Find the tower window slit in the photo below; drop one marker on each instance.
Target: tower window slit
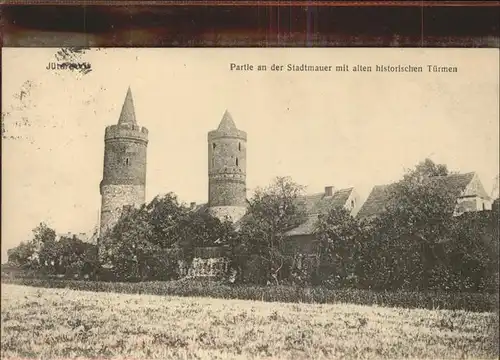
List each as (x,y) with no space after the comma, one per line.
(213,145)
(236,161)
(127,161)
(239,146)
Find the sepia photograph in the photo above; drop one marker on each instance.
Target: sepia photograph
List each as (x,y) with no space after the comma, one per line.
(250,203)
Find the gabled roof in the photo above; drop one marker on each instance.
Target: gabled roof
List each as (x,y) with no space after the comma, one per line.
(318,204)
(315,204)
(306,228)
(379,196)
(376,201)
(127,116)
(455,182)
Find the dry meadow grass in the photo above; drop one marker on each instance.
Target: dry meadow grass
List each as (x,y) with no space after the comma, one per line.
(60,323)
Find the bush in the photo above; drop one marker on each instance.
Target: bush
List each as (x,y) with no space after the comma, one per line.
(322,295)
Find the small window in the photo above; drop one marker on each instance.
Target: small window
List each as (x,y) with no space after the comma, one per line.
(239,146)
(213,145)
(127,161)
(352,203)
(236,161)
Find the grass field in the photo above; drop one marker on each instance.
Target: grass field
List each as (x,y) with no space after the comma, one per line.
(55,323)
(476,302)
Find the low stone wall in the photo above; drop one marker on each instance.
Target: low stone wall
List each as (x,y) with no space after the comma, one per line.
(210,262)
(213,267)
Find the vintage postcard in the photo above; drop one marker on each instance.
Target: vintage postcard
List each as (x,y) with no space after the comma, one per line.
(231,203)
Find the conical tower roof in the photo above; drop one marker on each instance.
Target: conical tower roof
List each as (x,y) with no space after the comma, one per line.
(227,123)
(127,116)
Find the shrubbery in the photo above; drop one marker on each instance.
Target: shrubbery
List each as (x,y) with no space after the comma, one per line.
(415,245)
(47,255)
(282,293)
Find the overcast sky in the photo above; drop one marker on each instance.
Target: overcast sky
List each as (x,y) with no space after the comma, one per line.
(328,128)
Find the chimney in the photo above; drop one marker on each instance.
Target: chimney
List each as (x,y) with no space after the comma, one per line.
(328,190)
(192,205)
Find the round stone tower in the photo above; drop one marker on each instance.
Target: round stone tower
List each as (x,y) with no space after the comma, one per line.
(124,175)
(227,160)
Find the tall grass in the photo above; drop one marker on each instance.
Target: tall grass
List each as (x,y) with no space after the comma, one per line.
(477,302)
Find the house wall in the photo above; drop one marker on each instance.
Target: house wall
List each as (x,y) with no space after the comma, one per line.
(473,198)
(353,203)
(469,204)
(305,244)
(474,187)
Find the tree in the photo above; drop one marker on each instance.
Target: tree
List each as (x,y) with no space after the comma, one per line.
(43,234)
(149,242)
(201,229)
(164,214)
(127,247)
(472,254)
(272,211)
(428,168)
(22,255)
(44,241)
(341,239)
(76,257)
(408,233)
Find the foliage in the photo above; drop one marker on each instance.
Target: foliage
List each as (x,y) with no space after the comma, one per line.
(470,301)
(472,257)
(22,255)
(341,239)
(272,211)
(416,244)
(44,240)
(48,255)
(148,243)
(428,168)
(201,229)
(163,215)
(128,248)
(42,234)
(75,257)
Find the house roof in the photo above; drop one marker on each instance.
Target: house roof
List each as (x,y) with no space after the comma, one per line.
(317,204)
(376,201)
(455,182)
(379,196)
(306,228)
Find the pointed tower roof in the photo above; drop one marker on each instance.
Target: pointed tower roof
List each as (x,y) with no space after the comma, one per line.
(227,128)
(227,123)
(127,115)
